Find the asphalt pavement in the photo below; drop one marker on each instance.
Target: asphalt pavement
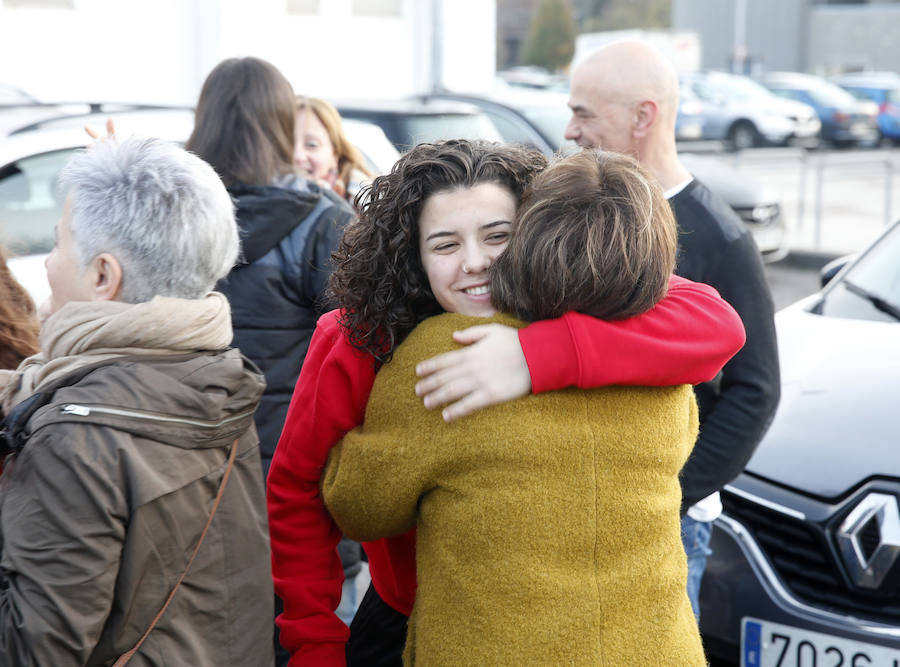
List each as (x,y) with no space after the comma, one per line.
(795,277)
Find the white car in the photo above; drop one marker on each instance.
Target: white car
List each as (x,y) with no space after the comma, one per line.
(32,155)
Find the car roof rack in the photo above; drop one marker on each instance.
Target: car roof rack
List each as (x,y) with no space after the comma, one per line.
(94,108)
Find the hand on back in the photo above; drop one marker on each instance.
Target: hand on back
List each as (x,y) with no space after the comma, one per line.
(490,370)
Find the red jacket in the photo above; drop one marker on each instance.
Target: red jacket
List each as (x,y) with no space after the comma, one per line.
(685,339)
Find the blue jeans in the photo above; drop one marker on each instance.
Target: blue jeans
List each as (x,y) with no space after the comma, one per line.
(695,537)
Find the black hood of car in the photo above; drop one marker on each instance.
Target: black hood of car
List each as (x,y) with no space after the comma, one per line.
(838,422)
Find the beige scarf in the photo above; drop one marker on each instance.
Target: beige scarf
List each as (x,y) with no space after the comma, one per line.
(86,332)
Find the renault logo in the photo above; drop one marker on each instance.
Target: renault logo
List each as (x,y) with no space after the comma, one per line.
(869,539)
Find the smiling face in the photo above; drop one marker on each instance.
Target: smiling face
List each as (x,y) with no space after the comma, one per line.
(461,232)
(314,153)
(602,116)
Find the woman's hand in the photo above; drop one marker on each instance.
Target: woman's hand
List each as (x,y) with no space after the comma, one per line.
(110,131)
(491,370)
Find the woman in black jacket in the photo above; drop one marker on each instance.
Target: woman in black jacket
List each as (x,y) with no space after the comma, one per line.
(244,128)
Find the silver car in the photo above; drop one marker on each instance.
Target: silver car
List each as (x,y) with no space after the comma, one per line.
(744,114)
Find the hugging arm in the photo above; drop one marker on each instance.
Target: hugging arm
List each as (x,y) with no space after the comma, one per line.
(329,399)
(378,472)
(371,486)
(685,339)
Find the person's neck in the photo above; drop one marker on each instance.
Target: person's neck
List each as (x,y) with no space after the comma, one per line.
(661,159)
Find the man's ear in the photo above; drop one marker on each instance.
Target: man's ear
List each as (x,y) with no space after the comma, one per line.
(106,277)
(644,117)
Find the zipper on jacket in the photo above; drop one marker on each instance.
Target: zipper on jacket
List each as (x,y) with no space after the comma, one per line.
(84,411)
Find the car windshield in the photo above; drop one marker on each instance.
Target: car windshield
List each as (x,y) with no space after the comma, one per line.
(871,288)
(739,88)
(433,127)
(830,95)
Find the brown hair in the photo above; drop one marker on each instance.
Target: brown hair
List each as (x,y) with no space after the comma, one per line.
(18,320)
(594,233)
(348,156)
(244,124)
(379,281)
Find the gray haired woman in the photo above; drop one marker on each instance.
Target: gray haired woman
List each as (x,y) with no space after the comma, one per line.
(132,505)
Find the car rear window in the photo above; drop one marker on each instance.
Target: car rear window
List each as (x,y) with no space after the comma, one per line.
(30,205)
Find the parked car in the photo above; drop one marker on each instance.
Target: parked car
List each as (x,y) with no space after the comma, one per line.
(805,568)
(882,88)
(846,121)
(755,203)
(11,95)
(690,121)
(535,78)
(744,114)
(407,122)
(32,156)
(530,117)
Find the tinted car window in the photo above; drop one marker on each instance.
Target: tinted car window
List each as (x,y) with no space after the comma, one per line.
(450,126)
(29,204)
(552,121)
(875,278)
(831,96)
(512,131)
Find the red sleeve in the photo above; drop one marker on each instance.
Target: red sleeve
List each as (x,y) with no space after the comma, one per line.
(686,338)
(329,399)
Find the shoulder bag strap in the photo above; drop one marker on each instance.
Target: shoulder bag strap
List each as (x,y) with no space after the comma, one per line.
(125,657)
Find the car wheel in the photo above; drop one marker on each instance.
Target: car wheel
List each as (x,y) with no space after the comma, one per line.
(743,135)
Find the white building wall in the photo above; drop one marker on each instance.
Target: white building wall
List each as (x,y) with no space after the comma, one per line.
(159,51)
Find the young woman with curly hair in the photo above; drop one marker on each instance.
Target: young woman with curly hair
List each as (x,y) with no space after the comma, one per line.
(548,528)
(426,237)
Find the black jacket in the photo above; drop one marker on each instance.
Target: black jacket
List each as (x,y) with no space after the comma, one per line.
(736,408)
(275,292)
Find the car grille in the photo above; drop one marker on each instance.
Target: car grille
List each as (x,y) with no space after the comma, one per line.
(799,552)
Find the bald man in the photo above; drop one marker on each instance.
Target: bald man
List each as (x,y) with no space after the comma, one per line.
(625,98)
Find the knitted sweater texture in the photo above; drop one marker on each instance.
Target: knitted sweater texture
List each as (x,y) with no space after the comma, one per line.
(548,528)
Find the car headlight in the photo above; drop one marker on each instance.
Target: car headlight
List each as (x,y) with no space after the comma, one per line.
(765,212)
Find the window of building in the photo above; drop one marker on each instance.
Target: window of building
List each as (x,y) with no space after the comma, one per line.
(302,6)
(38,4)
(377,7)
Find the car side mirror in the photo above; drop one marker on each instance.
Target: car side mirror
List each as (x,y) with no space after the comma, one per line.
(830,270)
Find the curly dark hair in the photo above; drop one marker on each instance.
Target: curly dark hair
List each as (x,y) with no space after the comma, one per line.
(379,281)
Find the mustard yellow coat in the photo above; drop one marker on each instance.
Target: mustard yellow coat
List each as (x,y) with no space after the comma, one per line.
(548,527)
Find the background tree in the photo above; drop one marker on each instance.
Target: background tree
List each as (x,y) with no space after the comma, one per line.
(600,15)
(551,37)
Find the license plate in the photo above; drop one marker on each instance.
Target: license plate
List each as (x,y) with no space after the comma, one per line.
(860,129)
(765,644)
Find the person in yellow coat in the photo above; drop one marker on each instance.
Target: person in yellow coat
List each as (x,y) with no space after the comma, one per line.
(548,527)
